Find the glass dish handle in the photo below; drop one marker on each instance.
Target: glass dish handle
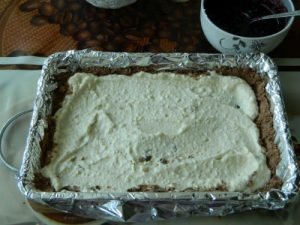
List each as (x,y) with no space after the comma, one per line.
(2,132)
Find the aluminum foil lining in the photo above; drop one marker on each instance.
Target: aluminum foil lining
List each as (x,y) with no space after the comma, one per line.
(144,206)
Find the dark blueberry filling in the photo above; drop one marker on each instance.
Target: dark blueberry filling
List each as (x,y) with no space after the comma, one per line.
(233,16)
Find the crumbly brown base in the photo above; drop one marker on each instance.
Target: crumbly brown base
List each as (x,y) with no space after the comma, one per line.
(264,121)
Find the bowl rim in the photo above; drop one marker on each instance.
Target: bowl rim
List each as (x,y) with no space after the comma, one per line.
(285,29)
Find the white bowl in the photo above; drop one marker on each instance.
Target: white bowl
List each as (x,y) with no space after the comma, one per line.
(111,4)
(228,43)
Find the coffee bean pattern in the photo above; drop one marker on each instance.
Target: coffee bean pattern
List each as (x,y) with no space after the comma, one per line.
(30,5)
(154,26)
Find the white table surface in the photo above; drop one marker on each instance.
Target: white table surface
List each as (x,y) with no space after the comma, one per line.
(17,91)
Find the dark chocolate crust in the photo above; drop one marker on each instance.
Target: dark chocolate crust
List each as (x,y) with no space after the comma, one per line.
(264,121)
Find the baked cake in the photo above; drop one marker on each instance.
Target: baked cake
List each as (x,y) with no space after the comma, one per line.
(161,131)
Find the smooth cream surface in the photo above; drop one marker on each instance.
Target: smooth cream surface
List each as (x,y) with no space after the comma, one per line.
(116,132)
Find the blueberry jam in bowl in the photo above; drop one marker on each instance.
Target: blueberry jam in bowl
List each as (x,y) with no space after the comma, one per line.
(228,28)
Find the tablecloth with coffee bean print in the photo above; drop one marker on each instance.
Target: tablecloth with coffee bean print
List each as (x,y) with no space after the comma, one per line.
(42,27)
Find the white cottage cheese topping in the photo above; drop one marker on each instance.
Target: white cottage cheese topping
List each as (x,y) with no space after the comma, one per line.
(116,132)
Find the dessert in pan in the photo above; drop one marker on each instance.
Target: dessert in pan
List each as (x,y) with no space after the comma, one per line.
(154,132)
(166,131)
